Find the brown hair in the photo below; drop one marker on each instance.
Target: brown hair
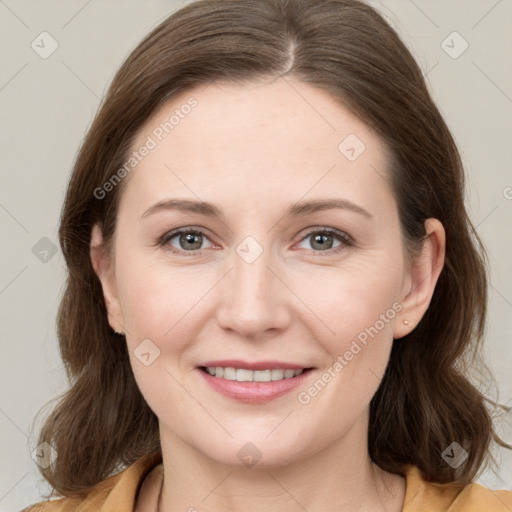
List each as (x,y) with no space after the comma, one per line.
(426,400)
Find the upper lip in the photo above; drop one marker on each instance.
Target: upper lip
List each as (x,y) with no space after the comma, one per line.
(256,365)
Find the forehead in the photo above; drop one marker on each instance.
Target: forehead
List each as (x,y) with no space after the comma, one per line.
(279,138)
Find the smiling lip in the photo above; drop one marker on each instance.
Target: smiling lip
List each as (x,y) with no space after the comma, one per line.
(253,392)
(259,365)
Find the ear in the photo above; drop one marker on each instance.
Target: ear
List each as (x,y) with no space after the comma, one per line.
(421,279)
(103,268)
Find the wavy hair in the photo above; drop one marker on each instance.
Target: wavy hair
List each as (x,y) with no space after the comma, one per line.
(426,399)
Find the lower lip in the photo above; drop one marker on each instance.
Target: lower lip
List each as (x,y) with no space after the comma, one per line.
(254,392)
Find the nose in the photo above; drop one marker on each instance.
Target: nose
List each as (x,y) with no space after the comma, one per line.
(255,302)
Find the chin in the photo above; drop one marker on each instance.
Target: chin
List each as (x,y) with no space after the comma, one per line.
(259,453)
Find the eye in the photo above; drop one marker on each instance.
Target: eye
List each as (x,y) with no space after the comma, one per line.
(186,241)
(191,241)
(326,240)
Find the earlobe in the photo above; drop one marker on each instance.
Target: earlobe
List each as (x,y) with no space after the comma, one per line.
(102,267)
(423,277)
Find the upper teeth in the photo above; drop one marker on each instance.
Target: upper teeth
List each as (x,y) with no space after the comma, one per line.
(243,375)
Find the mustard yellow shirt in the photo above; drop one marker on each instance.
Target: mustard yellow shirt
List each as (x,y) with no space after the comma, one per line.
(119,494)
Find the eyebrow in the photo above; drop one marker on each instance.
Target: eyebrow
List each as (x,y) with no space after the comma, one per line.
(296,210)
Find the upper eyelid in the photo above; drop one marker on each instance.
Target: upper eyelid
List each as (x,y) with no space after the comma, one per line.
(326,229)
(174,232)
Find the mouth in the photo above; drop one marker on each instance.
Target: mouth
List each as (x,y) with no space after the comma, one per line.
(248,375)
(251,386)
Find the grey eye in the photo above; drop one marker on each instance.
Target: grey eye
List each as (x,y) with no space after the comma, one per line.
(188,240)
(321,241)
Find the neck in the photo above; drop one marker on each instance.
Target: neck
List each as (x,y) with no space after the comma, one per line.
(340,477)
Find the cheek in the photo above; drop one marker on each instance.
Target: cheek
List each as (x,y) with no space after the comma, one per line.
(155,297)
(345,301)
(158,309)
(355,308)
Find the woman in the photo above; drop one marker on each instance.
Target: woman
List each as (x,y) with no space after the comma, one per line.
(308,350)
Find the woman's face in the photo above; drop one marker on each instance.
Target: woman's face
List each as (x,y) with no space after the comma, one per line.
(289,254)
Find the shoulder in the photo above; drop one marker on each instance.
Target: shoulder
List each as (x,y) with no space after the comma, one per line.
(118,492)
(421,496)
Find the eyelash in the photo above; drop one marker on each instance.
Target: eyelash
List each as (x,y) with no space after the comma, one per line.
(346,240)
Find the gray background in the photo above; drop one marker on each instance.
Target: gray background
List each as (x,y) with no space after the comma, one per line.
(46,106)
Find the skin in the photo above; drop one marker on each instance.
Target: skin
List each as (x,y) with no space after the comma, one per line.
(254,150)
